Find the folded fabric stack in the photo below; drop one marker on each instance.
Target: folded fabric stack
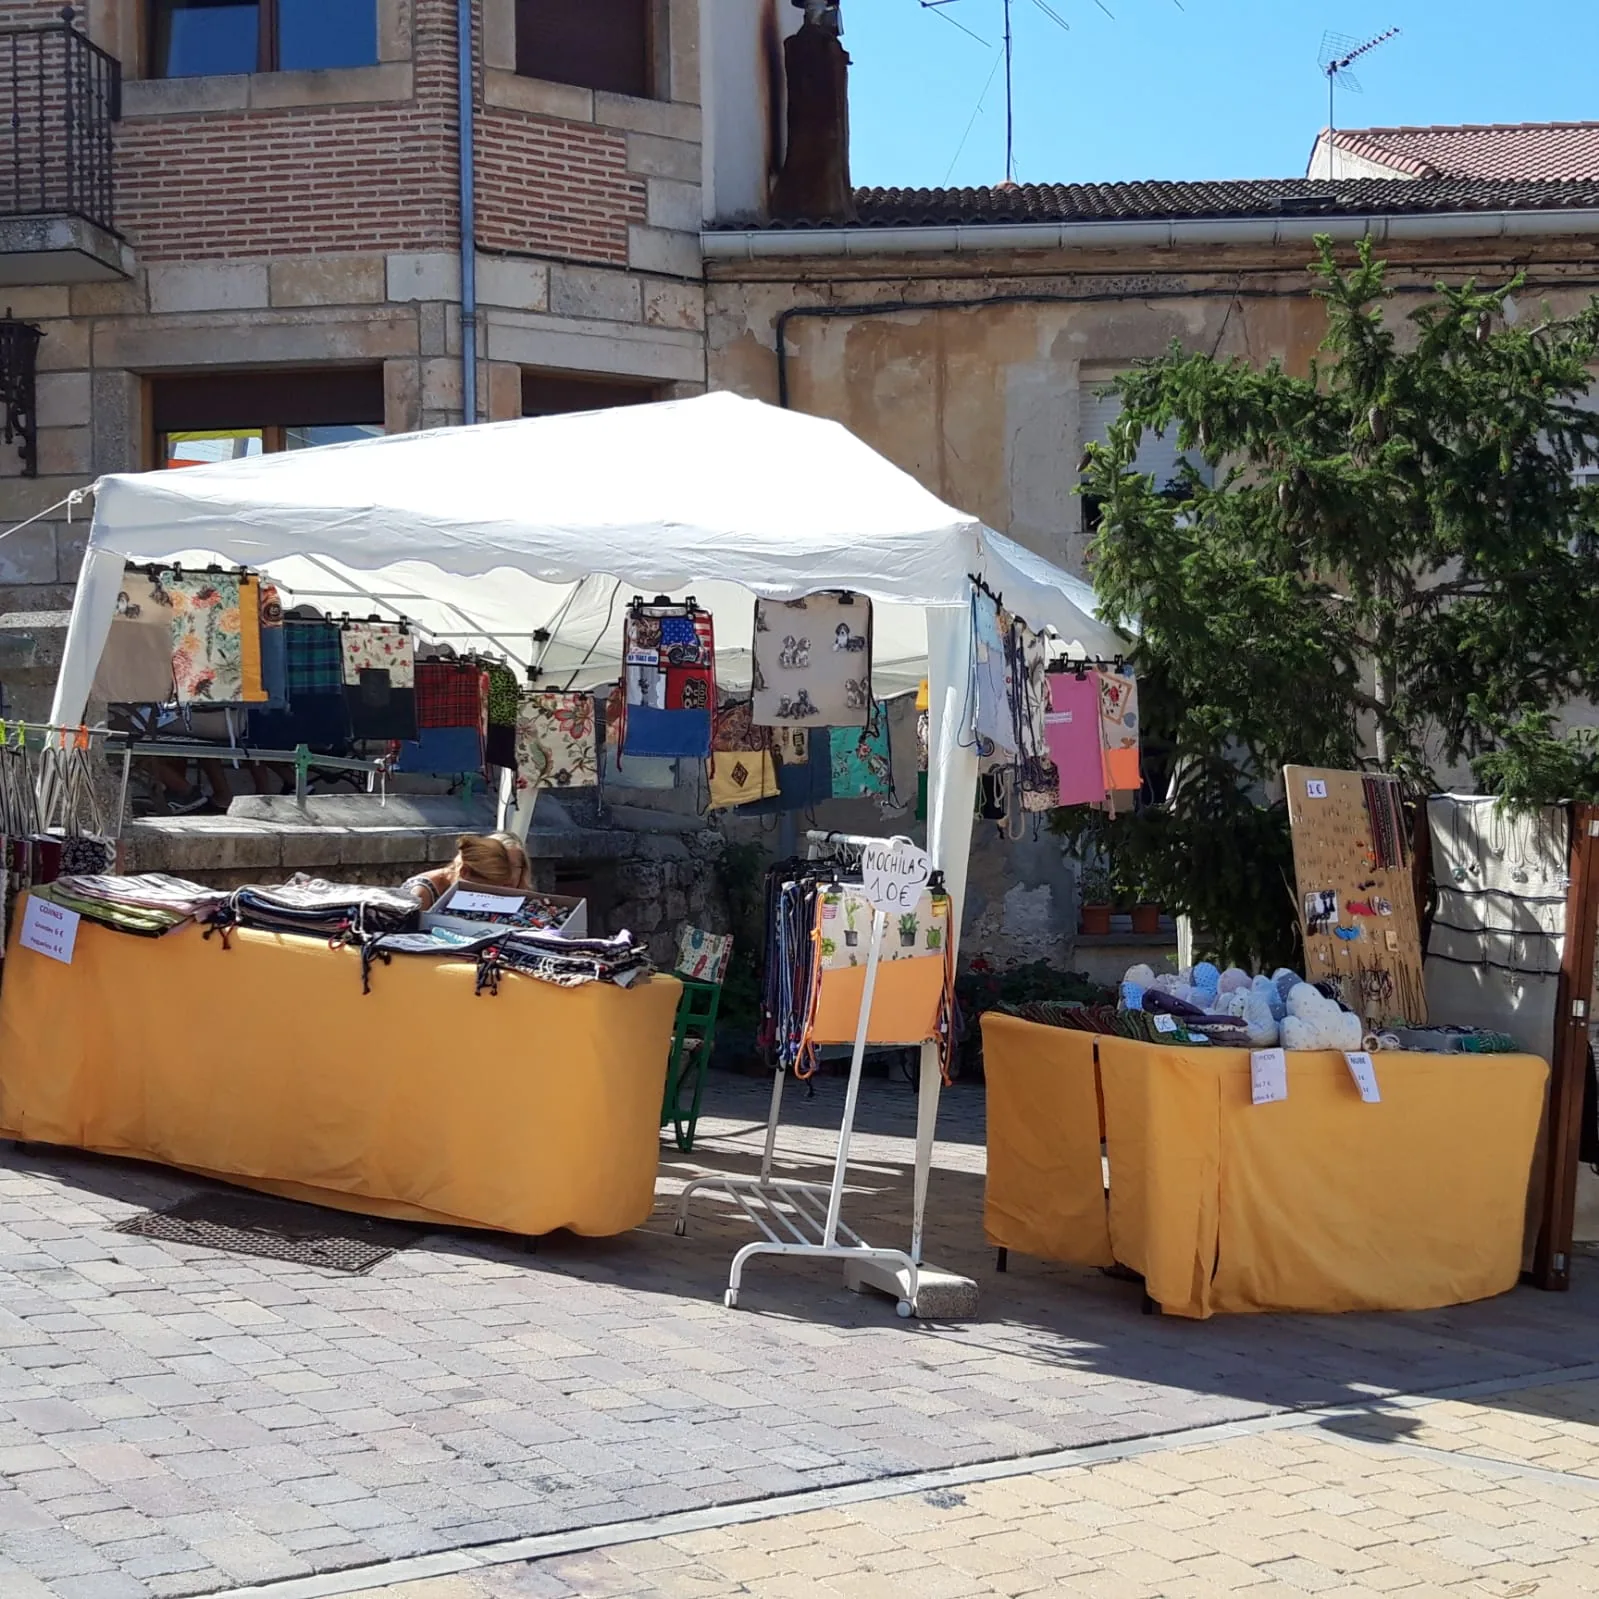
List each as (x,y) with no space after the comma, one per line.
(149,904)
(324,910)
(569,962)
(572,961)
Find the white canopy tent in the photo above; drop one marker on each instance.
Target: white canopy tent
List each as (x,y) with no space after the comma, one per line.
(491,536)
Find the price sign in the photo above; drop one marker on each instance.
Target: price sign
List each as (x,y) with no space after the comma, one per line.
(50,929)
(1364,1072)
(1315,788)
(893,874)
(1268,1076)
(492,904)
(1165,1023)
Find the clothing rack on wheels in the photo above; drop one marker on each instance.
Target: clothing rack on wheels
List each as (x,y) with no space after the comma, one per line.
(801,1218)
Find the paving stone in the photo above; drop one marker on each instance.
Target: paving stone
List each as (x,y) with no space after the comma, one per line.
(466,1391)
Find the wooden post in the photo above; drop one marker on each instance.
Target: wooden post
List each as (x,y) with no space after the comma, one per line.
(1551,1264)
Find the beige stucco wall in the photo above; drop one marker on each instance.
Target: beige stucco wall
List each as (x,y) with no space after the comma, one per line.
(983,405)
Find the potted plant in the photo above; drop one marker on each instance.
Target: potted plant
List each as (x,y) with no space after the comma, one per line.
(829,949)
(1095,896)
(851,937)
(907,930)
(935,937)
(1146,917)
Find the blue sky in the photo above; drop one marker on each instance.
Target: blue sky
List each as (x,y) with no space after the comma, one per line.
(1221,89)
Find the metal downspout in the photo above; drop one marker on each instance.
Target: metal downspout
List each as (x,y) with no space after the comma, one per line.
(463,33)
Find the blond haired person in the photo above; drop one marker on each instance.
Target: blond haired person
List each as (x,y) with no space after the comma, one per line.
(496,860)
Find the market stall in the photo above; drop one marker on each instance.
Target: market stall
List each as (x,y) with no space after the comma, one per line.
(545,540)
(528,1108)
(1319,1202)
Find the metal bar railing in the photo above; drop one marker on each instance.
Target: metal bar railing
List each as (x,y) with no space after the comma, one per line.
(60,93)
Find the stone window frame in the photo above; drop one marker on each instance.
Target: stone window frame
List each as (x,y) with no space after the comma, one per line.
(120,26)
(505,87)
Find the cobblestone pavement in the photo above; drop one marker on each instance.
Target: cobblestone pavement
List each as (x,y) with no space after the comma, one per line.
(179,1421)
(1473,1499)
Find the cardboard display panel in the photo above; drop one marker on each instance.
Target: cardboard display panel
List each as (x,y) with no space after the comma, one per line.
(1357,907)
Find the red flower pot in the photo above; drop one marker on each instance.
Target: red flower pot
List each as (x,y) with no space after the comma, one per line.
(1146,918)
(1095,920)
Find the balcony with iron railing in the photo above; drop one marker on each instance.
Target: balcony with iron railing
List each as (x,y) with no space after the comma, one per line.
(60,95)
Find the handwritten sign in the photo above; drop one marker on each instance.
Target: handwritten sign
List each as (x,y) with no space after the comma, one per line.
(1315,788)
(1268,1076)
(1165,1023)
(50,929)
(893,874)
(1364,1072)
(492,904)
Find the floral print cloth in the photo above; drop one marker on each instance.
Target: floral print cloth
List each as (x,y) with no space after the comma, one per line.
(555,741)
(702,957)
(844,928)
(862,767)
(378,664)
(207,652)
(378,647)
(813,661)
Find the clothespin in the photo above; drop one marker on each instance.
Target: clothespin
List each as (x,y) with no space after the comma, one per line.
(81,742)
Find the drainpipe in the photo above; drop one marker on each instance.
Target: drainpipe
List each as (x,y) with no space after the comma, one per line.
(463,36)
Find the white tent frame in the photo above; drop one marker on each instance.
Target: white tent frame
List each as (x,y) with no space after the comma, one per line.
(723,492)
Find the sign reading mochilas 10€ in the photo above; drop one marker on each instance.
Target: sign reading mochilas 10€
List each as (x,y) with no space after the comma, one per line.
(893,874)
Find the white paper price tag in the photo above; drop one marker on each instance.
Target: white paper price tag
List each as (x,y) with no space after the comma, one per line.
(492,904)
(1268,1076)
(1315,788)
(1165,1023)
(893,874)
(1364,1071)
(50,929)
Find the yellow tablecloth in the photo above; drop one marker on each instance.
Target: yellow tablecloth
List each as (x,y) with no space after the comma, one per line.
(1045,1190)
(1320,1202)
(264,1063)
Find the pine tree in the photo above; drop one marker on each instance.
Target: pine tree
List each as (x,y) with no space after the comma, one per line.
(1393,566)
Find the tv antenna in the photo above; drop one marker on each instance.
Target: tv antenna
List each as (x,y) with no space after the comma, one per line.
(937,8)
(1339,53)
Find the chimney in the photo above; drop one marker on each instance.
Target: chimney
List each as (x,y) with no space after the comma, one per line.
(813,185)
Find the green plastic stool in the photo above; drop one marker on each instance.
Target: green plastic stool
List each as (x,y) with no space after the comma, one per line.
(690,1058)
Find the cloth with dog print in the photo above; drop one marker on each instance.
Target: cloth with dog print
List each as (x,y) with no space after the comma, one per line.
(813,661)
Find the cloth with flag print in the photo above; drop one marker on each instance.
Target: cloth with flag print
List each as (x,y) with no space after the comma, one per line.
(669,680)
(742,768)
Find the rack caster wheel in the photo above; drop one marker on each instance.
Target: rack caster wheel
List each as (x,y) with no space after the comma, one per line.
(730,1299)
(903,1309)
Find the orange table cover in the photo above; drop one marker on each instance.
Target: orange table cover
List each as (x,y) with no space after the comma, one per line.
(1320,1202)
(1045,1190)
(264,1063)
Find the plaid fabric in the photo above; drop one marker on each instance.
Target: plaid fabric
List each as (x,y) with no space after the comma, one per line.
(449,694)
(316,658)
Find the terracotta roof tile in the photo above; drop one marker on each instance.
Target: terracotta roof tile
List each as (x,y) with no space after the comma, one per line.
(1176,201)
(1527,152)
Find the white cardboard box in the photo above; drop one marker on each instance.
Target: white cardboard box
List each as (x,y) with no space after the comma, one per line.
(482,895)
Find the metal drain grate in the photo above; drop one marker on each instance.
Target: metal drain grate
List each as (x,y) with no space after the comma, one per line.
(275,1229)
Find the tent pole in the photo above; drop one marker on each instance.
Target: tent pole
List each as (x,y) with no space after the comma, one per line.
(951,793)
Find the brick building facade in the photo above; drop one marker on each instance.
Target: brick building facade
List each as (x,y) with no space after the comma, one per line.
(281,262)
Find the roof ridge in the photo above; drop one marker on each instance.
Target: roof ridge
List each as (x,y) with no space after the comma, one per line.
(1470,127)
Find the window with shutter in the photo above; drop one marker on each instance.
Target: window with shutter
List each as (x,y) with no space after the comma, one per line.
(595,44)
(1158,453)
